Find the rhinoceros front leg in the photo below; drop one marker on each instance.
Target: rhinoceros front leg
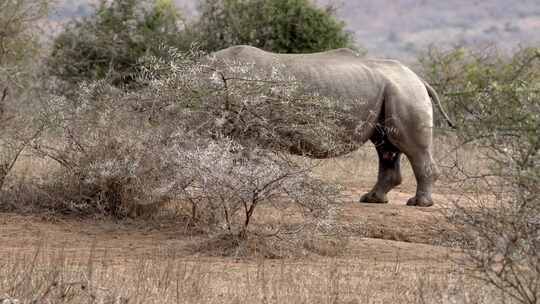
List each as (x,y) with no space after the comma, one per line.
(389,175)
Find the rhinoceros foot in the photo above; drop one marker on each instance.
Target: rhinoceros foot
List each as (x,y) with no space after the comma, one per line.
(373,198)
(420,201)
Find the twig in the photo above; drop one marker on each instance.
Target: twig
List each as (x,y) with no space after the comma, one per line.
(4,96)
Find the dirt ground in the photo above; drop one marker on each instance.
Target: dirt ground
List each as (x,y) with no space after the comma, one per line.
(381,232)
(388,253)
(392,253)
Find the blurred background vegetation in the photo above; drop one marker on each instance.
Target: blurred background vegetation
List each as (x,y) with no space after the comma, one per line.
(109,42)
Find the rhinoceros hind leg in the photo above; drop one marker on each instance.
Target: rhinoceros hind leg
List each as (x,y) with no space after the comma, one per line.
(373,198)
(420,201)
(389,175)
(426,173)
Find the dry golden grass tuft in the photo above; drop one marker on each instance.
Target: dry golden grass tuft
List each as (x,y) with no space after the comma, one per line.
(52,275)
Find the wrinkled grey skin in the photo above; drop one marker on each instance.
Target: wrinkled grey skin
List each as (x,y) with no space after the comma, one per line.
(391,102)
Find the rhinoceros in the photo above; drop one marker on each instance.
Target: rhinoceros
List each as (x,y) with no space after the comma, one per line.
(382,94)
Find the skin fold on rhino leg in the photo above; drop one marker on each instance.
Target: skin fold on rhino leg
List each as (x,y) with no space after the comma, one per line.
(389,175)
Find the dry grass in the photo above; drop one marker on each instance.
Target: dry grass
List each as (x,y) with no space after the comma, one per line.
(52,275)
(309,268)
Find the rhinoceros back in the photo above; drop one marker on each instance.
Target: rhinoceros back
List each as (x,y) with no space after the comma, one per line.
(338,73)
(355,85)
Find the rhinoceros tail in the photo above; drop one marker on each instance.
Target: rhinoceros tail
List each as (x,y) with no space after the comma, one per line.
(435,98)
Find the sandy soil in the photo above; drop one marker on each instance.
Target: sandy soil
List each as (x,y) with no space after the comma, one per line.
(393,253)
(375,231)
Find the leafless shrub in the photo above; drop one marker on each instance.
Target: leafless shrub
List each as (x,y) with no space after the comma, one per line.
(496,101)
(267,109)
(19,49)
(173,141)
(103,151)
(225,184)
(21,128)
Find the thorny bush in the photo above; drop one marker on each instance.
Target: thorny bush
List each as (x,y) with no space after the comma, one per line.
(268,109)
(19,82)
(496,101)
(171,141)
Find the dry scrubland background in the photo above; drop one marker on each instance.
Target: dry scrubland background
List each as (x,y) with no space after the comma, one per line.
(400,29)
(115,198)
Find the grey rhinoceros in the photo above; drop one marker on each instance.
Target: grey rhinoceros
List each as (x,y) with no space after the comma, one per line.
(383,95)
